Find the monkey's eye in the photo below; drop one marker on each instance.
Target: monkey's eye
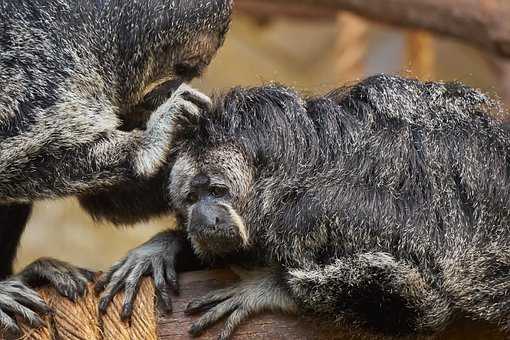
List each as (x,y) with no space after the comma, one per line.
(192,198)
(218,191)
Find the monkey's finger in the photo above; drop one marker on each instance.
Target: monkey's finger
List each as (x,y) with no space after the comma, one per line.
(233,321)
(202,101)
(113,287)
(8,326)
(32,300)
(65,284)
(89,275)
(162,287)
(80,280)
(132,285)
(171,277)
(9,305)
(209,300)
(211,317)
(105,278)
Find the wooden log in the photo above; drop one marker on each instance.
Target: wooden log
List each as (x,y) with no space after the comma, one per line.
(485,23)
(267,326)
(81,321)
(276,326)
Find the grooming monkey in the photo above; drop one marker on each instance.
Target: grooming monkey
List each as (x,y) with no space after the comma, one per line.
(383,207)
(88,89)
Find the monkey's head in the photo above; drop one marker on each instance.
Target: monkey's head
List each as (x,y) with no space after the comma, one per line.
(227,163)
(209,189)
(155,45)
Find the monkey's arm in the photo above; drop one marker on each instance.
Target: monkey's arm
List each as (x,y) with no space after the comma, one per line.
(110,158)
(131,203)
(259,291)
(372,289)
(162,257)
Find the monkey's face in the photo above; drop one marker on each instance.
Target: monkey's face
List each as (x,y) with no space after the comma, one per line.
(209,192)
(160,44)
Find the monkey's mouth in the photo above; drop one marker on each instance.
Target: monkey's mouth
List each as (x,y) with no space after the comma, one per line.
(217,240)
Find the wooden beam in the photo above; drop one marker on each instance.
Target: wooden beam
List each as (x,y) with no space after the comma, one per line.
(420,55)
(484,23)
(351,47)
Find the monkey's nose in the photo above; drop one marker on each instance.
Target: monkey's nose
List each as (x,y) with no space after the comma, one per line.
(207,216)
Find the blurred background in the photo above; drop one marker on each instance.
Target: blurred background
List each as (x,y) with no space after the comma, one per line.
(313,49)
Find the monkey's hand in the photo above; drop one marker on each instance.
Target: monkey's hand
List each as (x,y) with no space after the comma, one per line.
(156,257)
(18,300)
(259,291)
(68,280)
(157,137)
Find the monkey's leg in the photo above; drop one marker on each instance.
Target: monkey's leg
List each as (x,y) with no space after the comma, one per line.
(111,158)
(477,277)
(259,291)
(372,290)
(162,257)
(13,219)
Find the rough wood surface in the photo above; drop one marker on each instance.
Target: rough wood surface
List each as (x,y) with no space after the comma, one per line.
(81,321)
(484,23)
(176,325)
(273,326)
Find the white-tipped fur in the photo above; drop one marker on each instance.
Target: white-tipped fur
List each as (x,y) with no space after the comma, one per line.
(239,223)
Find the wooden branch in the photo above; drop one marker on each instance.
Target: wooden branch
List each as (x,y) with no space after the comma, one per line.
(501,71)
(268,326)
(421,55)
(275,326)
(81,320)
(485,24)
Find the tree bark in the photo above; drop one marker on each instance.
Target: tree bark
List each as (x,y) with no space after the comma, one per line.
(484,23)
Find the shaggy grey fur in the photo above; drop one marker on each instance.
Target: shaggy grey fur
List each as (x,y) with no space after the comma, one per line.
(383,207)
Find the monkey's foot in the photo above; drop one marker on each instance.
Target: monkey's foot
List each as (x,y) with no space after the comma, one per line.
(257,294)
(68,280)
(155,257)
(18,300)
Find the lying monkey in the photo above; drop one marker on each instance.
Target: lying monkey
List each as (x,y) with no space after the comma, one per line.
(384,206)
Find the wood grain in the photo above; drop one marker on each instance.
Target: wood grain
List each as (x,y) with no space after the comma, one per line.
(176,325)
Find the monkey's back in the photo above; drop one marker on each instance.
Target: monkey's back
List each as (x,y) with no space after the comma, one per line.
(423,171)
(48,60)
(389,164)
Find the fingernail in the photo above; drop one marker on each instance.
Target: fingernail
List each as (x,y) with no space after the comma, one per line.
(103,305)
(126,314)
(194,330)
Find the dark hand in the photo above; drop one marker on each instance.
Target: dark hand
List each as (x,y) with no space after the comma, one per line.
(155,257)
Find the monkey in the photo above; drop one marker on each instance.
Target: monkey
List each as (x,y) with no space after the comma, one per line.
(88,91)
(382,207)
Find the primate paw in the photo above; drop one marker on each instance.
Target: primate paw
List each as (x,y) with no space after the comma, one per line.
(184,99)
(251,296)
(155,257)
(68,280)
(18,300)
(184,102)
